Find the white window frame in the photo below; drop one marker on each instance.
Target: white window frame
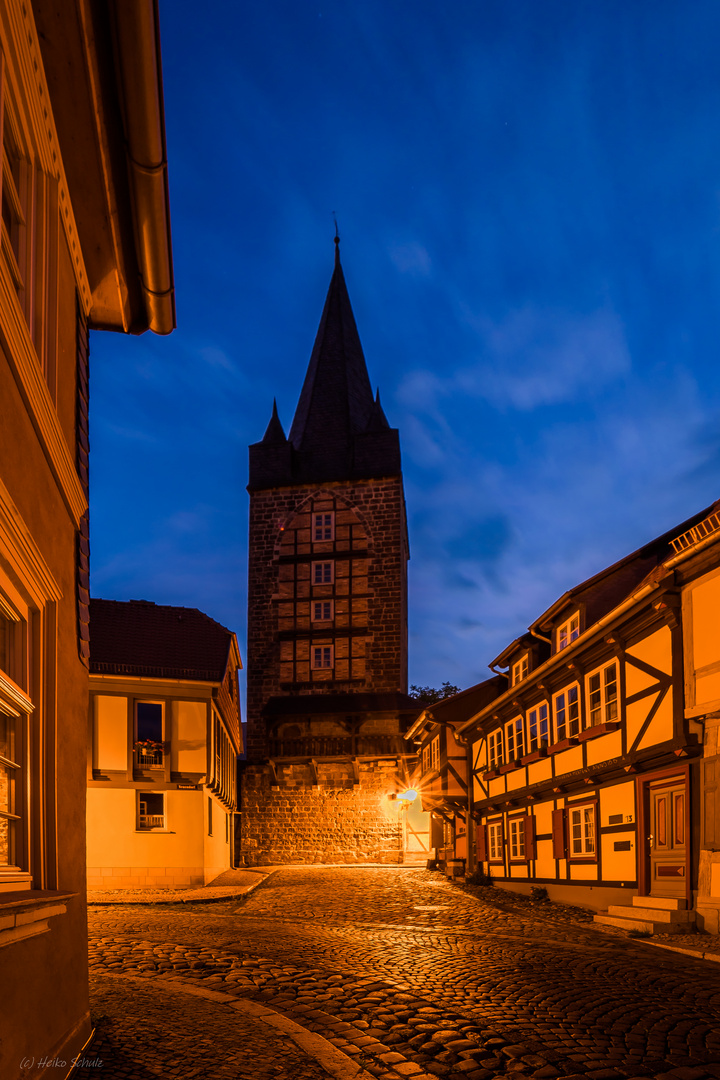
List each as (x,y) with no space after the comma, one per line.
(426,758)
(566,712)
(603,695)
(151,822)
(16,708)
(515,738)
(323,526)
(582,831)
(149,758)
(324,606)
(520,669)
(538,726)
(496,755)
(322,657)
(516,838)
(568,631)
(435,753)
(495,841)
(319,568)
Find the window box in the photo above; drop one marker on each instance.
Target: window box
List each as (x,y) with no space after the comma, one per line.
(510,766)
(491,774)
(535,756)
(564,744)
(599,729)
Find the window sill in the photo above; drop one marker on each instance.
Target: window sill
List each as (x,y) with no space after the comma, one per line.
(144,832)
(536,755)
(25,914)
(491,774)
(510,766)
(599,729)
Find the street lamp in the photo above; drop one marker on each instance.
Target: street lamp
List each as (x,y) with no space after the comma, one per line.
(405,798)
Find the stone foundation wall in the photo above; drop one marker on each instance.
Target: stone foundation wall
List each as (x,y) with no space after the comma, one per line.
(106,878)
(294,818)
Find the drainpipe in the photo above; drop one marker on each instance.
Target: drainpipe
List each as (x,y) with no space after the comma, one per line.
(138,56)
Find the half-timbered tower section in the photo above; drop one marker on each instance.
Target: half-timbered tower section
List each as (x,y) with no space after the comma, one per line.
(327,618)
(441,773)
(586,771)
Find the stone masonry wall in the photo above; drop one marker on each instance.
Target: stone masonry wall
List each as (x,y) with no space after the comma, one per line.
(333,821)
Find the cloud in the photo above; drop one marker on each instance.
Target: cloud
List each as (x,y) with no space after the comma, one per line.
(411,258)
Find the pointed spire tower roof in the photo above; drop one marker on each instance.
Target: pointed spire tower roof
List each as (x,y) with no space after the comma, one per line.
(339,431)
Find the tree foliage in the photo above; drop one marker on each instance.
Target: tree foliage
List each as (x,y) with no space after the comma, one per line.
(429,695)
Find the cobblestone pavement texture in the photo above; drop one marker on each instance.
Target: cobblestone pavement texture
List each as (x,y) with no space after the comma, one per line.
(412,976)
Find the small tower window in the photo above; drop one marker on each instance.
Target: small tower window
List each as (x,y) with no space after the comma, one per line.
(322,610)
(322,656)
(323,527)
(323,573)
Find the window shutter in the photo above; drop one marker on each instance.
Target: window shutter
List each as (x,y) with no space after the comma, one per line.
(482,842)
(711,804)
(529,824)
(558,834)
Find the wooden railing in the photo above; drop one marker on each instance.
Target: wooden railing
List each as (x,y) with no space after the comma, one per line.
(339,746)
(152,821)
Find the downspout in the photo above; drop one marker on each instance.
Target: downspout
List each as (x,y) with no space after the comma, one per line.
(138,57)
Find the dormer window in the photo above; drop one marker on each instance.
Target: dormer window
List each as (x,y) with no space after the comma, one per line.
(520,669)
(568,631)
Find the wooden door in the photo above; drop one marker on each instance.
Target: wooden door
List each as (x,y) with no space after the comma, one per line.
(668,838)
(416,831)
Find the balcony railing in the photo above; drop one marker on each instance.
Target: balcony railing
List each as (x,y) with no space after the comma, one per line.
(149,759)
(152,821)
(339,746)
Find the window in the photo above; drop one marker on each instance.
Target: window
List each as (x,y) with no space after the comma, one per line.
(14,200)
(323,527)
(568,631)
(495,749)
(323,573)
(322,610)
(151,810)
(603,695)
(322,656)
(582,830)
(426,758)
(514,739)
(14,745)
(435,753)
(223,779)
(149,749)
(495,841)
(209,816)
(517,838)
(520,669)
(567,713)
(539,727)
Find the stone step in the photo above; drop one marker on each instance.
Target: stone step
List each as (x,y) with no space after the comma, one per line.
(670,903)
(651,912)
(648,926)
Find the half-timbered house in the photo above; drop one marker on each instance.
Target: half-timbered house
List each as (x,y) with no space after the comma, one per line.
(586,770)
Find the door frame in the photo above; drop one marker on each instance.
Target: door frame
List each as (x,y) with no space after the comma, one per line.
(682,772)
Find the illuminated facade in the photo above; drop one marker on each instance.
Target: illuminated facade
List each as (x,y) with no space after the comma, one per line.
(327,618)
(595,771)
(165,737)
(85,244)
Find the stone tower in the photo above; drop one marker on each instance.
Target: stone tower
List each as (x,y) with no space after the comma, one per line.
(327,618)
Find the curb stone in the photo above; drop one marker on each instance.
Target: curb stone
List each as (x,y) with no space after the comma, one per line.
(315,1046)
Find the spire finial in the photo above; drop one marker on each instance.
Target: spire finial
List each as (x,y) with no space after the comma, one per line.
(337,239)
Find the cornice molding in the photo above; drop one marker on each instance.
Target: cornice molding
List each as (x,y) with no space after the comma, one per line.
(25,556)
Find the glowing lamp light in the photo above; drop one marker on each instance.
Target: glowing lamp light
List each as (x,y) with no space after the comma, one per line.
(406,797)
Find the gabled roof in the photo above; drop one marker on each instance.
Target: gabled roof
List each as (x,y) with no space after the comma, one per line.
(137,637)
(601,592)
(460,707)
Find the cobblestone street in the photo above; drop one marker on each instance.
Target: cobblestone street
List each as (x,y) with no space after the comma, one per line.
(405,974)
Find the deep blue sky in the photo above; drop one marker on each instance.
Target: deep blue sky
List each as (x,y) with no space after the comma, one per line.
(528,200)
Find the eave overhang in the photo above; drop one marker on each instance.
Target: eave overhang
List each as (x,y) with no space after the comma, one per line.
(103,69)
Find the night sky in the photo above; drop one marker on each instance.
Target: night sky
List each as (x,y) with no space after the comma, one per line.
(528,200)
